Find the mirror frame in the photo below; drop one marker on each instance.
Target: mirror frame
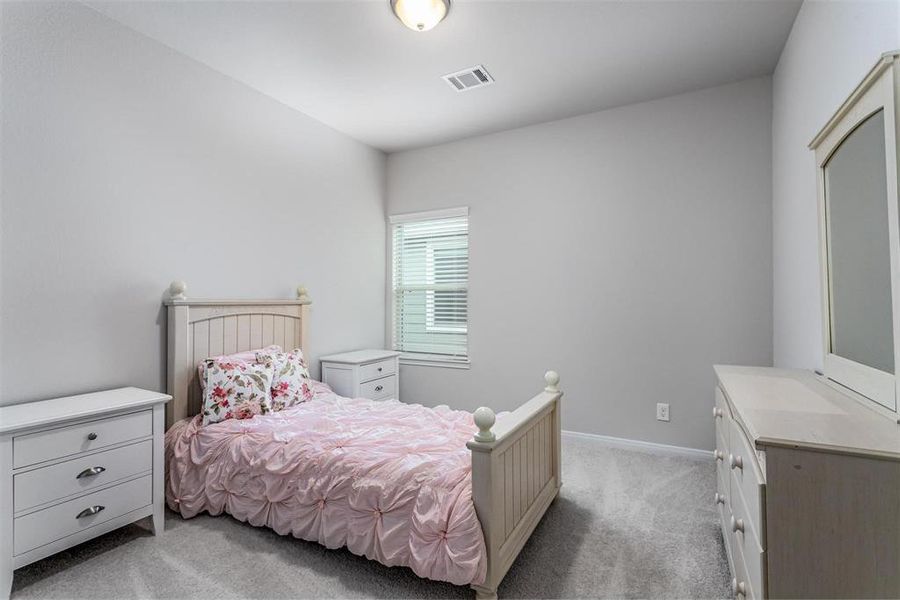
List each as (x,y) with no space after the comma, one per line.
(877,91)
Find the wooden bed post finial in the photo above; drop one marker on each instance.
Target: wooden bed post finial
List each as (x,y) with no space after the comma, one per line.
(552,379)
(303,295)
(177,289)
(485,419)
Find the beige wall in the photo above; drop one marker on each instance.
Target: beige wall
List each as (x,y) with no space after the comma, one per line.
(831,47)
(126,165)
(629,249)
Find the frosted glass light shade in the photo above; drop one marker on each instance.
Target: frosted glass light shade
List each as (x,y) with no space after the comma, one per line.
(420,15)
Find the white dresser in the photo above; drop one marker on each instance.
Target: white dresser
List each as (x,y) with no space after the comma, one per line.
(371,374)
(808,487)
(77,467)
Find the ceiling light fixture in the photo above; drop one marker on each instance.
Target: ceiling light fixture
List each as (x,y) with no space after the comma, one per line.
(420,15)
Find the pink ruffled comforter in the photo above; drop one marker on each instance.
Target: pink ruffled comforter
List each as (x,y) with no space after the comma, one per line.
(390,481)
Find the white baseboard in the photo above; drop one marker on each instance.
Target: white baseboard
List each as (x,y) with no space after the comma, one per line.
(642,446)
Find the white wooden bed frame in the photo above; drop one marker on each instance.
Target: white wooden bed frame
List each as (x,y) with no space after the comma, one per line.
(515,462)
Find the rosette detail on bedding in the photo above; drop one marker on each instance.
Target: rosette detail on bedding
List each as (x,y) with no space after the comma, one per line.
(390,481)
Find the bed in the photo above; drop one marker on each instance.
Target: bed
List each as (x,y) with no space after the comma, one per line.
(452,495)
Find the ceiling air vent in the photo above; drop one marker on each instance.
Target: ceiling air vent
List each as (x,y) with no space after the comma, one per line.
(468,79)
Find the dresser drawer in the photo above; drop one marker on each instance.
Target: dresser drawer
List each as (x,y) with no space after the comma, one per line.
(720,454)
(50,524)
(379,389)
(724,518)
(739,579)
(377,370)
(78,475)
(65,441)
(748,480)
(723,489)
(722,416)
(744,537)
(722,499)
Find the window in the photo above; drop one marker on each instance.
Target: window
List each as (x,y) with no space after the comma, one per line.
(430,285)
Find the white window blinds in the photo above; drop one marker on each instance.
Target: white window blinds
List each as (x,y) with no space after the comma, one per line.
(430,283)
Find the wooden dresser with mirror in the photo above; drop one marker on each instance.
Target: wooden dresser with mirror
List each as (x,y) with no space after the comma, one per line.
(808,465)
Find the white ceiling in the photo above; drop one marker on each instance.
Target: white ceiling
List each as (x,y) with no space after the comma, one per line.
(353,66)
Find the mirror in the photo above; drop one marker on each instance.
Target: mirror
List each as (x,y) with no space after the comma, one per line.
(858,248)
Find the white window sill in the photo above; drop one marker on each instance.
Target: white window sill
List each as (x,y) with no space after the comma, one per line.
(433,361)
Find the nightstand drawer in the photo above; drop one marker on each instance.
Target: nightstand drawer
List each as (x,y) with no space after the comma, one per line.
(379,389)
(57,522)
(74,439)
(377,370)
(373,374)
(79,475)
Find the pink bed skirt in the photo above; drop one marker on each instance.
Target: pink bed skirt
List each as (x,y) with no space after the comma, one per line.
(390,481)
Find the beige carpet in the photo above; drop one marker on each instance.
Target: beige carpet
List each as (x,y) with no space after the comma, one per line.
(626,525)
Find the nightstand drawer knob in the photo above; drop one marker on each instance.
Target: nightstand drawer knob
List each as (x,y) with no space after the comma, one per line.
(736,462)
(719,455)
(717,413)
(93,510)
(92,436)
(90,472)
(380,369)
(720,498)
(737,524)
(378,388)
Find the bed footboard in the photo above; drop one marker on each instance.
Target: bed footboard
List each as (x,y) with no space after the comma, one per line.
(515,477)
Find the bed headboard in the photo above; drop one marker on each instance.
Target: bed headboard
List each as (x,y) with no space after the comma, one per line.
(202,328)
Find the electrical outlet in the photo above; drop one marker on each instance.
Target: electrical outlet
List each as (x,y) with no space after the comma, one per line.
(662,412)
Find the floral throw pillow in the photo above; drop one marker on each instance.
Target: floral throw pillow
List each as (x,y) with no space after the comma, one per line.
(291,384)
(236,389)
(248,356)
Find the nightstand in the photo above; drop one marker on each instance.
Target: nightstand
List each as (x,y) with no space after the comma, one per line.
(373,374)
(77,467)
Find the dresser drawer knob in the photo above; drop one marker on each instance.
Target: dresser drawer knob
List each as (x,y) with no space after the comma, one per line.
(737,524)
(720,498)
(93,510)
(736,462)
(717,413)
(719,455)
(738,588)
(380,369)
(378,388)
(92,436)
(90,472)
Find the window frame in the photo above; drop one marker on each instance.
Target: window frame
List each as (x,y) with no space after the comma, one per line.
(424,358)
